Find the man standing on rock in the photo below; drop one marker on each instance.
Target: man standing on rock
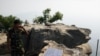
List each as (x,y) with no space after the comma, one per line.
(14,40)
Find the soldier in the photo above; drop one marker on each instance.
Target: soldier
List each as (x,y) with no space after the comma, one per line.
(15,43)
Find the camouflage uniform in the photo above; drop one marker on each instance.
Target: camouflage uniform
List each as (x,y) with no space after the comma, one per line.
(17,48)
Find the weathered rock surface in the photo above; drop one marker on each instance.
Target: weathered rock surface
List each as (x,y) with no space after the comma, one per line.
(71,39)
(69,36)
(81,50)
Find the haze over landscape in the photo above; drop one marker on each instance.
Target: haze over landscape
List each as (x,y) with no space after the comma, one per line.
(82,13)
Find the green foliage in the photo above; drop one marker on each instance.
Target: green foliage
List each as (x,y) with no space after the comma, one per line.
(46,11)
(26,23)
(57,16)
(39,20)
(7,21)
(51,19)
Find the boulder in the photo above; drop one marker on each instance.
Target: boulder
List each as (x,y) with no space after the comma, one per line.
(69,36)
(81,50)
(72,40)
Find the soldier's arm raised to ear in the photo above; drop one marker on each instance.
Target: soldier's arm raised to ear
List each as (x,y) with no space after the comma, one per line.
(24,30)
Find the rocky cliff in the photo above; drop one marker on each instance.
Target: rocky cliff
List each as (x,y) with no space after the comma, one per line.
(71,39)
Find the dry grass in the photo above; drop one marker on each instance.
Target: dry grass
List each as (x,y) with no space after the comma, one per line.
(3,38)
(3,46)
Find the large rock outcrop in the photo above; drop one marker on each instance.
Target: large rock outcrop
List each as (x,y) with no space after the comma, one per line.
(71,37)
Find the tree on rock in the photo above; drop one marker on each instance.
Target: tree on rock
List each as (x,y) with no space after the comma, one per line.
(57,16)
(26,23)
(47,17)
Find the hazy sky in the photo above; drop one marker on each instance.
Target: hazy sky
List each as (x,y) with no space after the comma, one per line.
(82,13)
(72,9)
